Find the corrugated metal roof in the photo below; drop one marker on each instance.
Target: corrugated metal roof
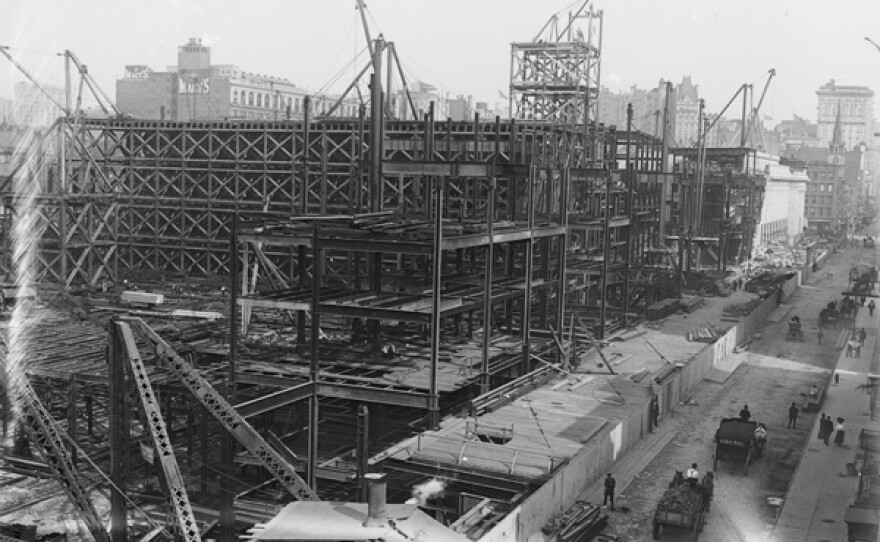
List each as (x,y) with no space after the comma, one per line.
(344,521)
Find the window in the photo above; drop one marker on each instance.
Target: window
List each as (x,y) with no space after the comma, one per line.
(259,100)
(296,105)
(250,98)
(235,96)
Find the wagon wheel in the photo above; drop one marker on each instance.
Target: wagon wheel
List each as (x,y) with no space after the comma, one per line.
(748,459)
(655,532)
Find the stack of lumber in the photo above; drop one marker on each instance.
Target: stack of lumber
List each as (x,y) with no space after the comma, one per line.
(692,303)
(742,309)
(662,309)
(705,334)
(581,522)
(141,298)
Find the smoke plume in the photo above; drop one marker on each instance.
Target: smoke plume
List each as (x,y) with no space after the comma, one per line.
(421,493)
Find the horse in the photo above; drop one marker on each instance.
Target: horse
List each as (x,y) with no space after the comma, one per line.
(677,479)
(760,438)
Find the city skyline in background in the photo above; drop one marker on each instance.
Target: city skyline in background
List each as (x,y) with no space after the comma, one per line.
(314,45)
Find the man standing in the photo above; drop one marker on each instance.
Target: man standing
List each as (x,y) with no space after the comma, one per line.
(792,416)
(745,414)
(692,476)
(827,427)
(871,307)
(609,490)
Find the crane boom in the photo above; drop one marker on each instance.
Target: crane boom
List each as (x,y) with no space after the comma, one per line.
(753,120)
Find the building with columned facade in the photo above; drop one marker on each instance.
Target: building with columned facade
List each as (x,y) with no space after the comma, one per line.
(195,89)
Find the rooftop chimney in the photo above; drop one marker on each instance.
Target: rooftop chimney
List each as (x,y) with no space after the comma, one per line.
(376,513)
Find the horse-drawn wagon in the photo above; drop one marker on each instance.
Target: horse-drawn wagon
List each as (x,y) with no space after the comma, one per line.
(684,505)
(739,440)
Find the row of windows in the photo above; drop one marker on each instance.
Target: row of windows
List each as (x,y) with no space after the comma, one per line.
(846,109)
(820,200)
(293,103)
(813,187)
(815,212)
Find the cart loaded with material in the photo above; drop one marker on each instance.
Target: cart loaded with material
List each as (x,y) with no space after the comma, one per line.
(684,505)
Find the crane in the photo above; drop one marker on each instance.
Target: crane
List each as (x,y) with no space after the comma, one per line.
(754,116)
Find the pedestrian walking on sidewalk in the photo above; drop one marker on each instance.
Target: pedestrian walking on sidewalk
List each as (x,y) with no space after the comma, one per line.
(851,347)
(826,427)
(863,335)
(792,416)
(841,432)
(836,378)
(821,433)
(871,307)
(820,335)
(610,483)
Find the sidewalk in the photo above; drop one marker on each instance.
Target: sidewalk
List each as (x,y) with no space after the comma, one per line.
(821,489)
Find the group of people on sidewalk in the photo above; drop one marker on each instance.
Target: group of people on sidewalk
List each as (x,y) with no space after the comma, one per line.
(855,343)
(827,428)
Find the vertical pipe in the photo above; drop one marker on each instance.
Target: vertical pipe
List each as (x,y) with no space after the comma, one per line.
(227,511)
(434,413)
(630,182)
(66,82)
(313,367)
(742,131)
(204,444)
(363,448)
(528,255)
(62,202)
(563,246)
(304,193)
(72,399)
(119,427)
(388,71)
(701,148)
(490,261)
(606,253)
(376,127)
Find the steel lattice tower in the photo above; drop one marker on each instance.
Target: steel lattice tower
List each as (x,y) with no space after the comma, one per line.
(556,76)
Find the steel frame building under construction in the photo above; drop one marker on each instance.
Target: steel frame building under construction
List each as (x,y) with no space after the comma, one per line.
(381,274)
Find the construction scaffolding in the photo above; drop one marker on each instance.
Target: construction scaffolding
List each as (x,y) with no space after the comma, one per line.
(555,77)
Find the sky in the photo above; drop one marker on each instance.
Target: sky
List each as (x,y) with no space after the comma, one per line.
(463,46)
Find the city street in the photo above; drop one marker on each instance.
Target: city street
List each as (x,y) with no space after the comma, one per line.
(774,373)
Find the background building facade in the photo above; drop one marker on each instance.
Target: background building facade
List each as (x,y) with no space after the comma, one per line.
(195,89)
(33,109)
(855,107)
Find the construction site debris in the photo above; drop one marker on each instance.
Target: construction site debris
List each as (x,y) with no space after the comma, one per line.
(581,522)
(691,303)
(704,334)
(662,309)
(742,309)
(767,283)
(682,499)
